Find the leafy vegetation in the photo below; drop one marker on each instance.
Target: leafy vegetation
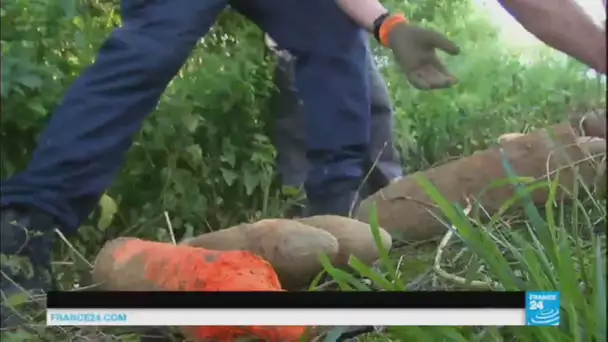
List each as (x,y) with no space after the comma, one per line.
(203,160)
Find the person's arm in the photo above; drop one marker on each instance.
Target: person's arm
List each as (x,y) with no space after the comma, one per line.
(363,12)
(563,25)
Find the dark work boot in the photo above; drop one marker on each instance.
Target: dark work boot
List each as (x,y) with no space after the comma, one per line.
(26,248)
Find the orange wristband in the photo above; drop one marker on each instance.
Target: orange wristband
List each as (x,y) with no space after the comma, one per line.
(388,25)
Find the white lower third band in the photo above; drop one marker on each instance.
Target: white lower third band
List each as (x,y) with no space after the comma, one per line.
(286,317)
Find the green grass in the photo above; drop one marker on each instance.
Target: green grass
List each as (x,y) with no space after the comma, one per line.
(555,249)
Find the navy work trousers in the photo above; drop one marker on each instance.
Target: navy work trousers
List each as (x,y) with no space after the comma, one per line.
(290,139)
(84,145)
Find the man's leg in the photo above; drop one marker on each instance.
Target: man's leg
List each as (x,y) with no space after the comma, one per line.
(290,140)
(382,149)
(84,144)
(331,76)
(334,89)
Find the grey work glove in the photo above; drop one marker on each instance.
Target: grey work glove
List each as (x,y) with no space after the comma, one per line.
(414,50)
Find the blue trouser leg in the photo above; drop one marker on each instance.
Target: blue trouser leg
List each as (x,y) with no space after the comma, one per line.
(290,138)
(331,76)
(383,158)
(84,144)
(382,145)
(335,94)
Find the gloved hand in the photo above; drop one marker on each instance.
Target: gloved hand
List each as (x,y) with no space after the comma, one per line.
(414,49)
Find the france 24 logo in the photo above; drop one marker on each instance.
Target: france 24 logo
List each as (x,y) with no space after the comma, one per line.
(542,308)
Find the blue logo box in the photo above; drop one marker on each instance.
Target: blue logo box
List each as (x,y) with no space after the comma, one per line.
(542,309)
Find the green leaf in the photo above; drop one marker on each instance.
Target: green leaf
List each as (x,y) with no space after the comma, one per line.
(191,122)
(368,272)
(69,7)
(31,81)
(195,152)
(290,191)
(229,176)
(472,270)
(385,259)
(345,281)
(19,336)
(108,210)
(189,231)
(251,181)
(17,299)
(36,107)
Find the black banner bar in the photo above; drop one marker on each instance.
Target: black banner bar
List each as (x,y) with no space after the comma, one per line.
(285,300)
